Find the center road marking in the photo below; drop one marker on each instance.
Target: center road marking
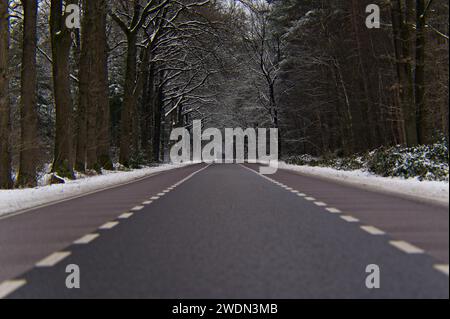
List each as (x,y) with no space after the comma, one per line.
(109,225)
(9,286)
(406,247)
(53,259)
(373,230)
(86,239)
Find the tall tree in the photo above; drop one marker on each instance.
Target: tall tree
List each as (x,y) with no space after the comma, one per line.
(83,89)
(419,79)
(28,107)
(131,30)
(100,53)
(93,138)
(402,21)
(5,124)
(61,42)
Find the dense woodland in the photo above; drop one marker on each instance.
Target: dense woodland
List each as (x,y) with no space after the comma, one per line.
(107,94)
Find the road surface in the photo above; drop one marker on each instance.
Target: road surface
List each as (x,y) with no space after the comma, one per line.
(224,231)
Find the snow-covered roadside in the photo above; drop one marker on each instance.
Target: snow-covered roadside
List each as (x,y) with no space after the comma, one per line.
(20,199)
(430,191)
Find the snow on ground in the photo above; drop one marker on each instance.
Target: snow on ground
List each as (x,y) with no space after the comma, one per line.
(431,191)
(21,199)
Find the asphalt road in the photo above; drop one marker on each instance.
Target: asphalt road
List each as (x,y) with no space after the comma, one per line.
(227,232)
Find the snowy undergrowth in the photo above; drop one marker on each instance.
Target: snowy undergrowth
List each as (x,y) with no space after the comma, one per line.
(425,162)
(20,199)
(421,172)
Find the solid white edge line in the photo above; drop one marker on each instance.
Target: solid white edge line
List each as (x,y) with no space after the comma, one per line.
(58,201)
(86,239)
(406,247)
(9,286)
(373,230)
(442,268)
(53,259)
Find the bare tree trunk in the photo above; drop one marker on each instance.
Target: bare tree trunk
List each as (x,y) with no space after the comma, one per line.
(94,127)
(367,112)
(422,118)
(61,44)
(401,18)
(28,107)
(129,101)
(101,74)
(92,85)
(147,108)
(157,126)
(5,122)
(83,92)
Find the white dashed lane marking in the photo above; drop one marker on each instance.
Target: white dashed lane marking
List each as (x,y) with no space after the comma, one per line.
(109,225)
(147,202)
(350,219)
(9,286)
(53,259)
(401,245)
(442,268)
(373,230)
(320,204)
(333,210)
(86,239)
(406,247)
(125,215)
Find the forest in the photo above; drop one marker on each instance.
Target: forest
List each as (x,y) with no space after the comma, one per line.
(105,94)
